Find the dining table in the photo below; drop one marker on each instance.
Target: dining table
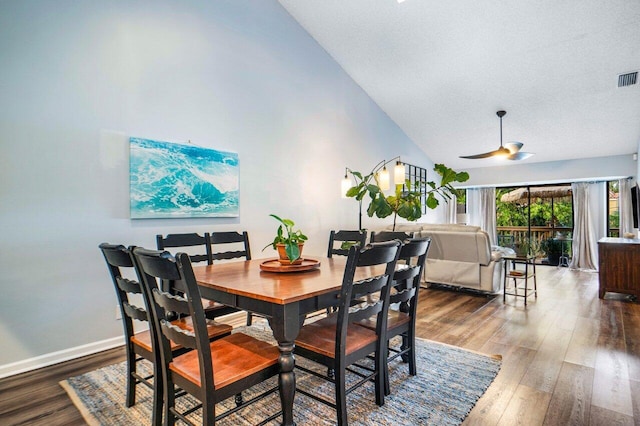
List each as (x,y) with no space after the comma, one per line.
(284,297)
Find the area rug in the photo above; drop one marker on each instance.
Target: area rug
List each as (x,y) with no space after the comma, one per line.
(449,382)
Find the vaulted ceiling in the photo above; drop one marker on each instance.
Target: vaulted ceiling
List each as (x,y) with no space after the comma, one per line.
(441,70)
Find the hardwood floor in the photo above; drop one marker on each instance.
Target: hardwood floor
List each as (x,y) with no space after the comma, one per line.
(568,358)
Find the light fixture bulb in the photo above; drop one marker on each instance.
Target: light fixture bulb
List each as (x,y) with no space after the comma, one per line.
(383,179)
(398,173)
(345,185)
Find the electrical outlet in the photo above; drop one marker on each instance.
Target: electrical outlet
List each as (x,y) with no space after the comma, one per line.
(118,313)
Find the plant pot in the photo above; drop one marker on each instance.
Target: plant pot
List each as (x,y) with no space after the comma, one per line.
(284,259)
(553,258)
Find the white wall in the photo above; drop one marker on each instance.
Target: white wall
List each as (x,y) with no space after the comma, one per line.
(79,78)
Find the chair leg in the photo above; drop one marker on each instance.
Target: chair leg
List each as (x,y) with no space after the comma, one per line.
(413,369)
(385,370)
(169,401)
(158,395)
(381,379)
(131,381)
(341,399)
(405,345)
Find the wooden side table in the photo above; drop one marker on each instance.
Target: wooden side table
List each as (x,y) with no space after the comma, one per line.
(519,277)
(619,266)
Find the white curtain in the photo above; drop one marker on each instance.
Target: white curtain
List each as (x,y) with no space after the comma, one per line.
(585,252)
(481,208)
(450,206)
(625,206)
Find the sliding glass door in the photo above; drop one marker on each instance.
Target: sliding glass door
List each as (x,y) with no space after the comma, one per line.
(537,220)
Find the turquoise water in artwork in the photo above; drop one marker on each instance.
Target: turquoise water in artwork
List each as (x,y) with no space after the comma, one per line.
(173,180)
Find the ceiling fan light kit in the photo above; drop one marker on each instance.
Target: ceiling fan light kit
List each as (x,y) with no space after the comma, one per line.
(509,150)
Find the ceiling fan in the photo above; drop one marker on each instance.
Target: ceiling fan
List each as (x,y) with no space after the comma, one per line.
(509,150)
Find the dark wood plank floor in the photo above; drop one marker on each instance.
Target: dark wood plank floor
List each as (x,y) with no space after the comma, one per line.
(568,358)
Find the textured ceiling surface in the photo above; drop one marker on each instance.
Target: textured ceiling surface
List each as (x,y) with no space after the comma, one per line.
(441,70)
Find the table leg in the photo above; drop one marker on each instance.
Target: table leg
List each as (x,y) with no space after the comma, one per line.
(285,326)
(287,381)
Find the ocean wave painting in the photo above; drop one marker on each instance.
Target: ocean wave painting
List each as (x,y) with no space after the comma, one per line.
(170,180)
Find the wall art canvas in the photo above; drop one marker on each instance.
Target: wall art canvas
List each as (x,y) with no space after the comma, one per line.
(170,180)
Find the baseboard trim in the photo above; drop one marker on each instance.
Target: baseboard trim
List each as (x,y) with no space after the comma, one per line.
(58,357)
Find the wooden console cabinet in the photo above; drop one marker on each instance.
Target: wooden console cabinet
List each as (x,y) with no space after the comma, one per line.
(619,264)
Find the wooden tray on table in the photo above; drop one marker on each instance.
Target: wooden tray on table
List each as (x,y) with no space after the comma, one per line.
(274,265)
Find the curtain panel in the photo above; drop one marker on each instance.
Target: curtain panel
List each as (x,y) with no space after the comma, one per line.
(585,238)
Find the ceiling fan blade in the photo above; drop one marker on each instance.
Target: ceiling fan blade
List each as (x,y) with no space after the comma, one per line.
(513,147)
(500,152)
(519,156)
(477,156)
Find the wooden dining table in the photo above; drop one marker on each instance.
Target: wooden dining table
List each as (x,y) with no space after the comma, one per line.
(284,298)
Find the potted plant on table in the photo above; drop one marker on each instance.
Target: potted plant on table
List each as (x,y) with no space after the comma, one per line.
(288,242)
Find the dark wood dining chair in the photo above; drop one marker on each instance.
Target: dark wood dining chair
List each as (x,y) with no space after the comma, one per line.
(379,236)
(198,248)
(233,240)
(212,371)
(404,294)
(338,343)
(238,247)
(349,237)
(143,344)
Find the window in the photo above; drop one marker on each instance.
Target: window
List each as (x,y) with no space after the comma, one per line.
(613,211)
(461,206)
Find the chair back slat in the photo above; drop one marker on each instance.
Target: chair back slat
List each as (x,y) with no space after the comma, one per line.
(178,335)
(351,238)
(367,286)
(230,237)
(188,241)
(406,272)
(171,302)
(135,312)
(229,255)
(359,312)
(129,286)
(380,236)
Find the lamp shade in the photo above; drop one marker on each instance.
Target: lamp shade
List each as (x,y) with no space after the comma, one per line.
(398,173)
(383,179)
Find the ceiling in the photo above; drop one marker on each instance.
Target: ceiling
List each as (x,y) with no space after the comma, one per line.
(441,70)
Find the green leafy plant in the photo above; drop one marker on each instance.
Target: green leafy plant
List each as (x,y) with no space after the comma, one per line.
(551,246)
(289,237)
(407,202)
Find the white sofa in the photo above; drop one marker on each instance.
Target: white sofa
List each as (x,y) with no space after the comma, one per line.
(460,256)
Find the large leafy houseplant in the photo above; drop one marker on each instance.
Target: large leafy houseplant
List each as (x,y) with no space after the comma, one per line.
(406,201)
(290,238)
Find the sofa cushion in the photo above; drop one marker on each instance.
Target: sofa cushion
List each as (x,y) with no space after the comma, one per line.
(452,272)
(459,246)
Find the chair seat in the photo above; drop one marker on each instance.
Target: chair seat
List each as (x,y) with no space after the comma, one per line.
(395,320)
(234,357)
(320,337)
(214,329)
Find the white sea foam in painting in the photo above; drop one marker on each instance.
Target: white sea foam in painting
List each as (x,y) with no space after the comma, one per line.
(174,180)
